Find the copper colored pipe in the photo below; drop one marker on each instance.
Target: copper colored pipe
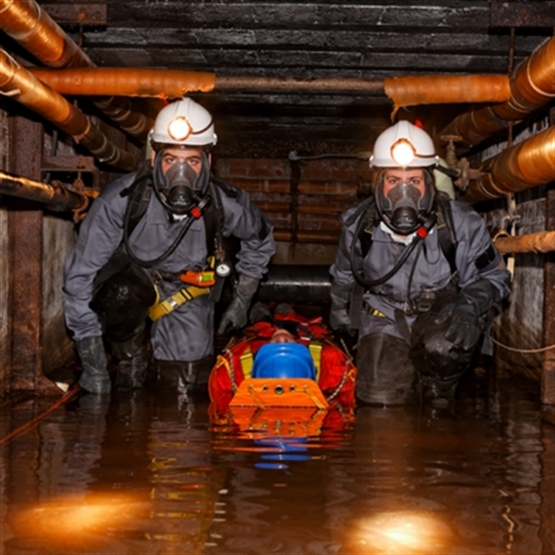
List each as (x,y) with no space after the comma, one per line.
(163,83)
(446,89)
(50,193)
(532,86)
(37,32)
(21,85)
(520,167)
(542,241)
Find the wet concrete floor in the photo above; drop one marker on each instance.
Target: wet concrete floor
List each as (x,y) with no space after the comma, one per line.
(138,474)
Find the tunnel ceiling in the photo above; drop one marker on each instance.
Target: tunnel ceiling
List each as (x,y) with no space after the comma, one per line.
(308,40)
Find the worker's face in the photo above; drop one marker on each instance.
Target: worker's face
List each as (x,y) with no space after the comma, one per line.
(171,156)
(413,178)
(282,336)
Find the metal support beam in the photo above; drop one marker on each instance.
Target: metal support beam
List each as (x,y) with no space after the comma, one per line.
(25,264)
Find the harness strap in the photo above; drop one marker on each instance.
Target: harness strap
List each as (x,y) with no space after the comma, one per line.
(167,306)
(315,349)
(246,360)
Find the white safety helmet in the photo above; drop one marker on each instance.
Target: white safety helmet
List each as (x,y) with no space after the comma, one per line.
(403,145)
(183,123)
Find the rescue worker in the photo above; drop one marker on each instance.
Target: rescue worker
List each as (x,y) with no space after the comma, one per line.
(151,244)
(416,273)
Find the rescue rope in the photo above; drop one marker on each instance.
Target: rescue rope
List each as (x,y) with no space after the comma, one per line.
(523,351)
(38,419)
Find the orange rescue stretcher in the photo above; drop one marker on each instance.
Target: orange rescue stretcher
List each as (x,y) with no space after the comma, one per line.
(261,383)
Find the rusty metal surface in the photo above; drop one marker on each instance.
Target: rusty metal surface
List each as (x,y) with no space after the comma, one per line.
(25,261)
(77,13)
(535,14)
(51,193)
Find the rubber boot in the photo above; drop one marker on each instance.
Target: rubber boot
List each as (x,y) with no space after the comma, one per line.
(385,374)
(133,364)
(182,377)
(95,377)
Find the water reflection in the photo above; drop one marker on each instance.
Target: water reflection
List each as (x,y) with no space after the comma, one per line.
(136,474)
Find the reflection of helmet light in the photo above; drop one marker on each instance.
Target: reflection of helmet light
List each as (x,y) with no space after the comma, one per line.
(402,152)
(179,128)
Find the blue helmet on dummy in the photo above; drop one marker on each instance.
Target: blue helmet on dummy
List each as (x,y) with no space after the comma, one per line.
(283,360)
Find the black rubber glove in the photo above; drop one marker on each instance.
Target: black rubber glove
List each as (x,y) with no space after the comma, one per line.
(235,317)
(340,297)
(465,328)
(466,325)
(95,377)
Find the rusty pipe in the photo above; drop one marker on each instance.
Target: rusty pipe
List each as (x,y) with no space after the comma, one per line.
(540,242)
(139,82)
(51,193)
(39,34)
(21,85)
(525,165)
(425,89)
(532,86)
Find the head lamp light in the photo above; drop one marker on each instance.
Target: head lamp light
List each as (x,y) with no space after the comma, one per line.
(403,152)
(179,128)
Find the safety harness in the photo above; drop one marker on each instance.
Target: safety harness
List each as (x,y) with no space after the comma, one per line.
(440,216)
(204,282)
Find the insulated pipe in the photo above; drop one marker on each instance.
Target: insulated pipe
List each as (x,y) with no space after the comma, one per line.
(542,241)
(532,86)
(21,85)
(38,33)
(446,89)
(525,165)
(163,83)
(426,89)
(50,193)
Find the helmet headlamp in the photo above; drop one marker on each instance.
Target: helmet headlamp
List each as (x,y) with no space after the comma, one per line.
(179,128)
(403,152)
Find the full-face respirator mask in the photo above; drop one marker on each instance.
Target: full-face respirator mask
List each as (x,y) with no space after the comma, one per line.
(405,208)
(180,188)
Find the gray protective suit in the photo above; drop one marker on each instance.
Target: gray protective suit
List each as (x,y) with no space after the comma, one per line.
(186,334)
(431,271)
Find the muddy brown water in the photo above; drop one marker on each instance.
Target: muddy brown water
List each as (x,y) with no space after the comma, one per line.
(138,474)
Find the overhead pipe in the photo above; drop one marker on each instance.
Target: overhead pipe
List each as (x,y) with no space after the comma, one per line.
(425,89)
(19,84)
(523,166)
(54,194)
(540,242)
(296,283)
(532,86)
(39,34)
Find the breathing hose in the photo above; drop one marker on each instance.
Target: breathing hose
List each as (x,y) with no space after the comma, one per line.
(421,234)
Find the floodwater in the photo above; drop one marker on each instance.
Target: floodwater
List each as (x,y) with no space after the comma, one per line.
(136,474)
